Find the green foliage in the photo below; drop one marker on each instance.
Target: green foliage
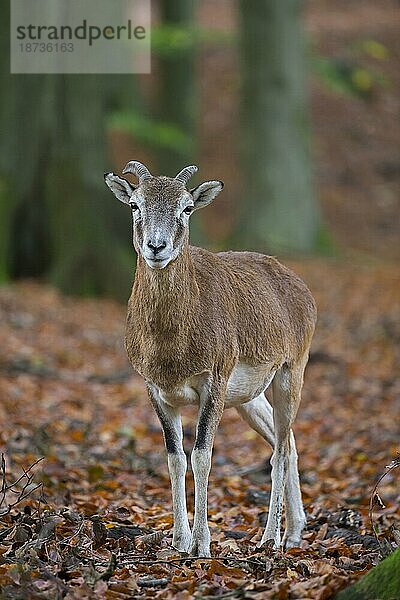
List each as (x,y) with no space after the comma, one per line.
(349,76)
(382,582)
(173,40)
(154,134)
(373,49)
(324,244)
(341,77)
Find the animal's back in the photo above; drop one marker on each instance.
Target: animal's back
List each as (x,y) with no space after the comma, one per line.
(272,309)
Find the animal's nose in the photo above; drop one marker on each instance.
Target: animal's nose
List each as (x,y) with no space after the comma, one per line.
(156,247)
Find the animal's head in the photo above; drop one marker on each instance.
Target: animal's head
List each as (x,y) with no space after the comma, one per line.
(161,209)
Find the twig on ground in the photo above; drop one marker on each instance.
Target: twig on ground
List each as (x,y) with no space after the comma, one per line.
(375,498)
(25,471)
(27,479)
(152,582)
(176,562)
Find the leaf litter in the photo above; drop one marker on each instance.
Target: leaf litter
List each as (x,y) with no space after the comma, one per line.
(84,489)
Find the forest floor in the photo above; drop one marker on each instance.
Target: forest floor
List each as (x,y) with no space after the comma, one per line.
(99,523)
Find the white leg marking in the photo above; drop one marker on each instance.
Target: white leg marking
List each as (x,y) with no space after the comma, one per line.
(295,516)
(172,427)
(211,408)
(201,465)
(286,398)
(177,472)
(258,414)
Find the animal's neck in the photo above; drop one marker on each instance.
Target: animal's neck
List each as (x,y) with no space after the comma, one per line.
(168,298)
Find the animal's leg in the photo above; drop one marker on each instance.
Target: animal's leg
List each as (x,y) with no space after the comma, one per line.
(295,515)
(258,414)
(172,428)
(211,407)
(287,386)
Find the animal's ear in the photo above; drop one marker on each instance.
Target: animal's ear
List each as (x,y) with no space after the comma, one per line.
(120,187)
(205,193)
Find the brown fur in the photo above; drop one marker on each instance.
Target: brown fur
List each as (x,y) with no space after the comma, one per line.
(212,329)
(205,312)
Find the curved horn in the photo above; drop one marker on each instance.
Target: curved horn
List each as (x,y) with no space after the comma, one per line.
(186,173)
(138,169)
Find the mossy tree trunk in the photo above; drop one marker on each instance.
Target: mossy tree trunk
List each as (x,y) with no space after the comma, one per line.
(279,209)
(382,582)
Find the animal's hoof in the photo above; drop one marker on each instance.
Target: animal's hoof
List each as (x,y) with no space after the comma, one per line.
(182,541)
(271,540)
(198,549)
(292,536)
(200,544)
(291,541)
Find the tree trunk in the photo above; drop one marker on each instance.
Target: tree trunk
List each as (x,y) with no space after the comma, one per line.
(279,210)
(90,240)
(176,99)
(59,220)
(24,137)
(382,582)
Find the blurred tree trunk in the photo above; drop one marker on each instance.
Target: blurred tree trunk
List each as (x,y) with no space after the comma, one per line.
(176,98)
(279,209)
(90,233)
(58,219)
(23,224)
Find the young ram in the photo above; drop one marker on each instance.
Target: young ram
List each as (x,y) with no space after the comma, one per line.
(214,330)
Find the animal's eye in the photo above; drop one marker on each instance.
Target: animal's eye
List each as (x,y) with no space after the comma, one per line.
(134,206)
(188,210)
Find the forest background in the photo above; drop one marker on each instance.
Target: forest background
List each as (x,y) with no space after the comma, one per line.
(295,107)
